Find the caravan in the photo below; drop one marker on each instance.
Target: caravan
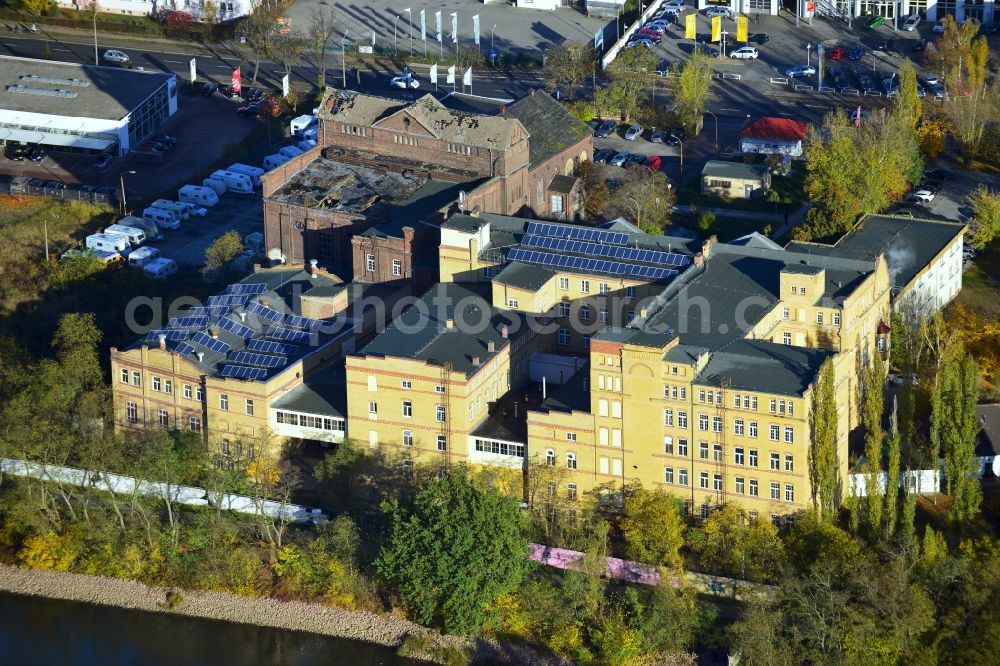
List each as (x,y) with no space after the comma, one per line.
(108,243)
(143,256)
(160,268)
(162,218)
(290,152)
(274,161)
(253,172)
(136,237)
(305,145)
(215,184)
(152,231)
(198,195)
(234,182)
(299,125)
(180,210)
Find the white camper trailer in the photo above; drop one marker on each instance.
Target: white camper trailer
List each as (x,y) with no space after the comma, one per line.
(217,185)
(163,218)
(108,243)
(160,268)
(305,145)
(274,161)
(180,210)
(143,256)
(235,182)
(153,232)
(301,124)
(290,152)
(198,195)
(254,172)
(136,237)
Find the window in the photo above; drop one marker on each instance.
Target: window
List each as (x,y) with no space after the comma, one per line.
(668,445)
(753,429)
(487,272)
(836,319)
(372,408)
(136,378)
(407,438)
(585,286)
(194,423)
(442,443)
(630,292)
(668,417)
(682,447)
(746,402)
(683,388)
(397,267)
(407,467)
(571,492)
(819,318)
(512,303)
(703,450)
(774,405)
(753,403)
(790,410)
(187,391)
(563,309)
(585,341)
(717,452)
(602,315)
(406,141)
(703,422)
(740,485)
(132,412)
(716,424)
(564,338)
(556,203)
(224,402)
(775,432)
(789,434)
(407,409)
(775,461)
(199,394)
(784,313)
(168,386)
(701,396)
(753,488)
(602,287)
(682,419)
(703,480)
(711,397)
(602,407)
(564,283)
(789,492)
(571,437)
(682,477)
(786,338)
(738,455)
(439,389)
(370,263)
(736,400)
(668,474)
(225,446)
(717,482)
(616,409)
(249,407)
(724,184)
(584,313)
(753,457)
(439,413)
(781,406)
(550,457)
(124,376)
(459,148)
(571,460)
(775,491)
(789,463)
(406,384)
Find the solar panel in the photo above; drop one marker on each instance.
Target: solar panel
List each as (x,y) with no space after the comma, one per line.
(230,300)
(267,314)
(242,372)
(207,341)
(272,347)
(187,322)
(171,334)
(185,348)
(580,233)
(259,360)
(236,328)
(211,311)
(251,289)
(296,321)
(289,335)
(588,264)
(622,252)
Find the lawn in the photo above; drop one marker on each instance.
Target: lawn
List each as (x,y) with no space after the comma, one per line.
(726,228)
(789,188)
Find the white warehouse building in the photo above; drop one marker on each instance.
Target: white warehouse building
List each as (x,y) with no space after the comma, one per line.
(929,10)
(90,109)
(223,10)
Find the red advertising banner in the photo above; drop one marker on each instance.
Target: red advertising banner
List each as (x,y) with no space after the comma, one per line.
(236,81)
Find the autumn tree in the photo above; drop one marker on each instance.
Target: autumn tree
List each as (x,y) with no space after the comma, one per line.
(287,49)
(626,92)
(223,251)
(823,447)
(728,542)
(891,512)
(653,527)
(645,196)
(322,29)
(985,204)
(872,409)
(259,28)
(595,188)
(692,91)
(957,385)
(963,59)
(568,66)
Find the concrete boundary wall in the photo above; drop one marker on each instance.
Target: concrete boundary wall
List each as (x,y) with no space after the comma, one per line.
(617,47)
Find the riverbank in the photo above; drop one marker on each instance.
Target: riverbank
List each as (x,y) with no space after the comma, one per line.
(364,626)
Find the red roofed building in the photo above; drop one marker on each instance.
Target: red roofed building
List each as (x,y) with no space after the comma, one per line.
(773,136)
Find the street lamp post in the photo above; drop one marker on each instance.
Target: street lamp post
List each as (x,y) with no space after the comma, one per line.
(716,128)
(343,56)
(45,230)
(808,49)
(724,33)
(121,180)
(682,152)
(395,49)
(493,53)
(409,27)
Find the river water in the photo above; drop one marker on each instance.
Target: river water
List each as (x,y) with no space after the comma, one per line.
(49,632)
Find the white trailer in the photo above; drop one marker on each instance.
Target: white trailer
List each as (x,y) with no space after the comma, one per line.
(254,172)
(108,243)
(160,268)
(136,237)
(198,195)
(217,185)
(235,182)
(143,256)
(180,210)
(153,232)
(274,161)
(290,151)
(301,124)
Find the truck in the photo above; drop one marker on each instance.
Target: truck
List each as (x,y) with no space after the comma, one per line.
(198,195)
(254,172)
(274,161)
(301,124)
(234,182)
(180,210)
(108,243)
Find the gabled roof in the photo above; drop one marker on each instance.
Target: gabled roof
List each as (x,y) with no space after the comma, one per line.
(562,184)
(456,126)
(353,108)
(722,169)
(756,239)
(776,129)
(551,127)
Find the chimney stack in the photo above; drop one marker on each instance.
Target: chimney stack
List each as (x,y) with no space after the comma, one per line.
(449,323)
(699,259)
(503,331)
(163,341)
(491,346)
(475,361)
(214,333)
(313,271)
(266,303)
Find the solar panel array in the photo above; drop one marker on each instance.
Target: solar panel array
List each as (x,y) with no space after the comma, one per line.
(259,360)
(242,372)
(170,334)
(185,348)
(236,328)
(587,264)
(288,335)
(207,341)
(252,289)
(230,300)
(272,347)
(187,322)
(578,233)
(613,251)
(296,321)
(211,311)
(264,313)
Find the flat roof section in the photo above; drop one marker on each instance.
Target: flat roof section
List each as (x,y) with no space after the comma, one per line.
(56,88)
(324,394)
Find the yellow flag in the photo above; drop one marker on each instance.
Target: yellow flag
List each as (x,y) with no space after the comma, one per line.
(716,28)
(741,29)
(689,26)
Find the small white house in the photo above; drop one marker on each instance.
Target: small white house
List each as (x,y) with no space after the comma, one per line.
(773,136)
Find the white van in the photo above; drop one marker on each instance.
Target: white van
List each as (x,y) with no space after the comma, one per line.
(217,185)
(143,256)
(163,218)
(135,236)
(290,151)
(254,172)
(108,243)
(274,161)
(301,124)
(180,210)
(235,182)
(198,195)
(160,268)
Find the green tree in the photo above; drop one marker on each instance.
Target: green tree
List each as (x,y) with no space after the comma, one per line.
(908,107)
(456,551)
(731,544)
(568,66)
(823,447)
(322,29)
(223,251)
(645,197)
(892,483)
(666,618)
(985,204)
(692,91)
(959,380)
(872,410)
(653,527)
(963,58)
(626,91)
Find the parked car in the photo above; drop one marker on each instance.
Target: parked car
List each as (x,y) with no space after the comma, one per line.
(887,45)
(704,38)
(653,162)
(15,153)
(838,78)
(920,45)
(677,5)
(36,154)
(602,155)
(635,160)
(651,33)
(939,26)
(209,89)
(874,22)
(658,136)
(605,129)
(890,85)
(404,82)
(54,185)
(745,53)
(150,146)
(648,43)
(676,136)
(836,53)
(911,23)
(865,82)
(633,132)
(856,53)
(110,192)
(227,91)
(115,57)
(659,25)
(251,109)
(759,38)
(103,162)
(704,49)
(621,158)
(921,195)
(800,70)
(933,84)
(724,12)
(165,139)
(88,189)
(663,68)
(252,94)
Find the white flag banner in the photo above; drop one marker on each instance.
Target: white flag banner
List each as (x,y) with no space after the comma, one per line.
(467,78)
(434,74)
(451,75)
(285,89)
(194,70)
(423,25)
(454,27)
(475,28)
(437,22)
(373,41)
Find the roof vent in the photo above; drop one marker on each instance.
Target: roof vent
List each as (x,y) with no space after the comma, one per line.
(504,332)
(200,355)
(450,323)
(34,78)
(313,272)
(214,333)
(163,341)
(243,315)
(45,92)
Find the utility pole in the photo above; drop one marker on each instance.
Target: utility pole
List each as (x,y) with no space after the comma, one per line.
(121,180)
(343,57)
(45,230)
(409,27)
(94,10)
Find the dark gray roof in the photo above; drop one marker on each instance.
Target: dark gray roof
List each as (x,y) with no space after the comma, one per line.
(524,276)
(110,93)
(741,170)
(562,184)
(323,393)
(688,354)
(755,365)
(464,223)
(572,396)
(755,239)
(802,269)
(908,244)
(421,332)
(421,206)
(552,129)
